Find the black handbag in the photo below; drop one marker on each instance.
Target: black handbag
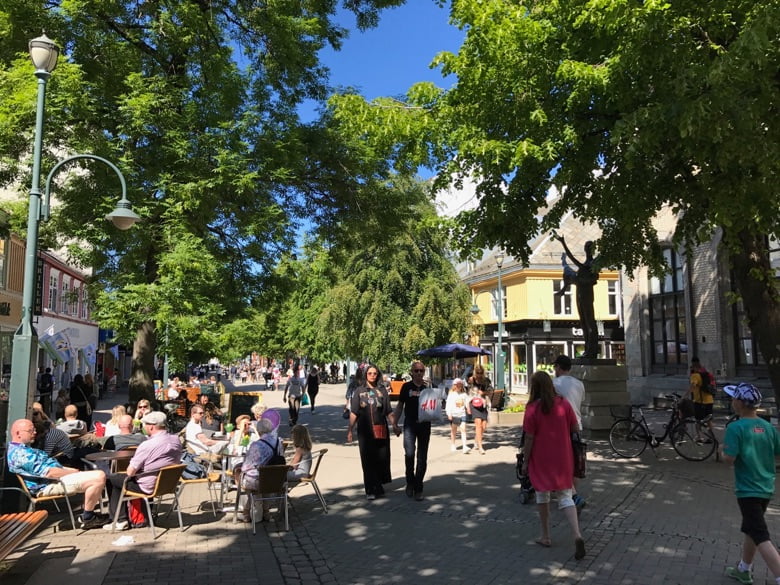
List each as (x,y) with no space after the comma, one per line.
(580,451)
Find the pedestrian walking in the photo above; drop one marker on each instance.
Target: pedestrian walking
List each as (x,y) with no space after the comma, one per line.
(457,408)
(417,435)
(751,445)
(549,461)
(573,390)
(370,410)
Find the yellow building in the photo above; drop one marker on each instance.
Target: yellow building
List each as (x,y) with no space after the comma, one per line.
(539,324)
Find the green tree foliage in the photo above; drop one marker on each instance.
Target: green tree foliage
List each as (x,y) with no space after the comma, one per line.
(382,294)
(397,293)
(625,107)
(196,102)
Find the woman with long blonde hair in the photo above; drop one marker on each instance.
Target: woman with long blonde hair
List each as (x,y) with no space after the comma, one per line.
(112,426)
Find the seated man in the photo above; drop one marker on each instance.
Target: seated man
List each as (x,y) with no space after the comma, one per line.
(72,425)
(197,439)
(50,439)
(159,450)
(22,458)
(126,436)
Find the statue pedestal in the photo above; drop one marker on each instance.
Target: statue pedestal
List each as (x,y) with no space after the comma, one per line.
(605,386)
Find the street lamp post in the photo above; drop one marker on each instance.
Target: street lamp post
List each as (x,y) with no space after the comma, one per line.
(44,54)
(500,307)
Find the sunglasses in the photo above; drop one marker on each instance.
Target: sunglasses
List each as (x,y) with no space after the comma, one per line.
(418,371)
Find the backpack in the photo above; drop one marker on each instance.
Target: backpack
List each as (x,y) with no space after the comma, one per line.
(707,382)
(275,459)
(194,469)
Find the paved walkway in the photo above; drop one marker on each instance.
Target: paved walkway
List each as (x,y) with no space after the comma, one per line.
(647,522)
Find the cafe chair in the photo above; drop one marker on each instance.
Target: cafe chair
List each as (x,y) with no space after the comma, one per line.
(35,499)
(312,479)
(167,485)
(272,485)
(212,478)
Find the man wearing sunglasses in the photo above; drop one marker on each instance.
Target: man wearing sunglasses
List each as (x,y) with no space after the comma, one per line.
(415,432)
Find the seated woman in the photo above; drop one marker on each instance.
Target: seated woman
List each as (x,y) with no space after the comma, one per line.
(112,426)
(260,453)
(301,461)
(212,419)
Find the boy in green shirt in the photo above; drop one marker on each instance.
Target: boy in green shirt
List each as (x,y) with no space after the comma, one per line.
(752,444)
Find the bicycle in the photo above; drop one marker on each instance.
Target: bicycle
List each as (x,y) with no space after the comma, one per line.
(630,435)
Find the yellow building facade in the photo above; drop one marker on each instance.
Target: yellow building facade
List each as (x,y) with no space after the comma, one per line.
(539,325)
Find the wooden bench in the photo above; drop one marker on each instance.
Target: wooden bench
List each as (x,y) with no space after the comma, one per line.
(15,528)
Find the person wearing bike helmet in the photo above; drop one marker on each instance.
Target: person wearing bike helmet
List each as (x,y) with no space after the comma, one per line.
(751,445)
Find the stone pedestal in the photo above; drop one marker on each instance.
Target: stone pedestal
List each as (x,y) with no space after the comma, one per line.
(605,386)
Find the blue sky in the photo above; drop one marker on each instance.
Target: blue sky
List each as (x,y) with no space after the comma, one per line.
(387,60)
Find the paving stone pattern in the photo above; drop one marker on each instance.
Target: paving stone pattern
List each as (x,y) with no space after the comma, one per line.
(651,521)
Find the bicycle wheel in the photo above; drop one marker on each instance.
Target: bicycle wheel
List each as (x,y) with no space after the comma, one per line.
(628,438)
(688,446)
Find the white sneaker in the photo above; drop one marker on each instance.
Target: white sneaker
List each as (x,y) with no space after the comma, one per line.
(121,525)
(453,448)
(466,450)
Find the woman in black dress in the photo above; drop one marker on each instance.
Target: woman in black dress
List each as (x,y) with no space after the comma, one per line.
(370,409)
(312,386)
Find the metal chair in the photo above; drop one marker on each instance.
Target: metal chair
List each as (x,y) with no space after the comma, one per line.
(212,477)
(167,484)
(271,485)
(312,479)
(35,499)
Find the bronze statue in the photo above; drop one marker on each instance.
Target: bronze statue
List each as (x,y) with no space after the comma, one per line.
(585,279)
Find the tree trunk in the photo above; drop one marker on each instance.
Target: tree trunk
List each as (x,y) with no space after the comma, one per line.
(757,286)
(142,375)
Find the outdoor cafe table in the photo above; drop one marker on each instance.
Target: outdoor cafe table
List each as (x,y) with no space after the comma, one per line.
(110,457)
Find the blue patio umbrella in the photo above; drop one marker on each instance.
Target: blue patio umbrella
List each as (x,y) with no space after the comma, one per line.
(453,350)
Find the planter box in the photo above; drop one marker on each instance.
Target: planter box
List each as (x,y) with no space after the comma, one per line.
(505,419)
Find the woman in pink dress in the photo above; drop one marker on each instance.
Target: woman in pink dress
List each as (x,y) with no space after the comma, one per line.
(549,461)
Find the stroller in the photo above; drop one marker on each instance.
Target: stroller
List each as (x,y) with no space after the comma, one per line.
(526,489)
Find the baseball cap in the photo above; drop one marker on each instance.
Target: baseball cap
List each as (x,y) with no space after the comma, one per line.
(155,418)
(564,361)
(747,393)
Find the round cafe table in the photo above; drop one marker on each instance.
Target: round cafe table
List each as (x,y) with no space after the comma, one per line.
(109,455)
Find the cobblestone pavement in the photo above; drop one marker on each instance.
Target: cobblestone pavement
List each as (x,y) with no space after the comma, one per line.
(649,521)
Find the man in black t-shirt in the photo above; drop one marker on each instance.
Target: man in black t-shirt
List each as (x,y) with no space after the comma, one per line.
(414,431)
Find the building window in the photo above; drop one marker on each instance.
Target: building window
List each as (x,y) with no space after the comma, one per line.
(53,290)
(494,307)
(4,246)
(65,296)
(84,303)
(562,301)
(612,297)
(667,314)
(76,298)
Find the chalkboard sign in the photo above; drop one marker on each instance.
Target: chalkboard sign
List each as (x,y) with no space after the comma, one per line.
(241,403)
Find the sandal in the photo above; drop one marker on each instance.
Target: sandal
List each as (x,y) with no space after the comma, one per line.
(579,548)
(545,542)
